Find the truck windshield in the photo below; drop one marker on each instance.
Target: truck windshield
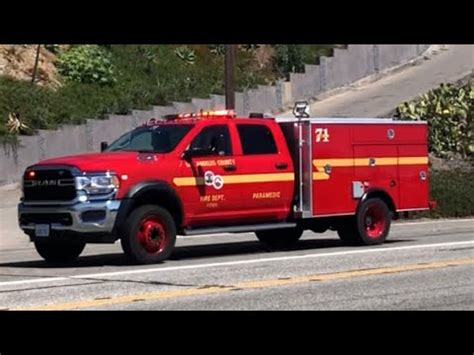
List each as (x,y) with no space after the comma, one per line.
(156,139)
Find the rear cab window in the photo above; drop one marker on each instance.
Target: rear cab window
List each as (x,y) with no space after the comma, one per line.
(256,139)
(214,139)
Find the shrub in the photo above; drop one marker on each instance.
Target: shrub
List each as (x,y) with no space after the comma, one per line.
(291,58)
(53,48)
(186,54)
(450,114)
(86,64)
(28,101)
(453,191)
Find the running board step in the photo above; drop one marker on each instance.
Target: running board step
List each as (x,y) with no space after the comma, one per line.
(238,229)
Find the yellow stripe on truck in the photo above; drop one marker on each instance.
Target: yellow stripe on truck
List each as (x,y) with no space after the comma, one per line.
(412,160)
(317,175)
(320,175)
(359,162)
(237,179)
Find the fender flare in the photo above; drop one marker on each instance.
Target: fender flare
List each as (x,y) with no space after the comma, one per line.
(144,187)
(381,193)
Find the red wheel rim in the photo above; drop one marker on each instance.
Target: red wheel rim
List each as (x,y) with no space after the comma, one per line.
(374,221)
(152,235)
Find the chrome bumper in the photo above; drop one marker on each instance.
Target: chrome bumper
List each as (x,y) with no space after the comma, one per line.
(105,225)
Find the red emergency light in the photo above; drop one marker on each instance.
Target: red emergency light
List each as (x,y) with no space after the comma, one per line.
(203,114)
(217,113)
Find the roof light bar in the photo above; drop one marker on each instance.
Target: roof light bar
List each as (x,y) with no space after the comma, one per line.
(201,114)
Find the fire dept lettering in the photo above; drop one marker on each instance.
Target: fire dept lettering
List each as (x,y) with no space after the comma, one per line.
(266,195)
(223,162)
(206,163)
(210,163)
(212,201)
(212,198)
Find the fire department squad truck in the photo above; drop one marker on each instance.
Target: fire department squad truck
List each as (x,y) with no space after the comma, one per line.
(211,172)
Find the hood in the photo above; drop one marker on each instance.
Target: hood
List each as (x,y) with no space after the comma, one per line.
(114,161)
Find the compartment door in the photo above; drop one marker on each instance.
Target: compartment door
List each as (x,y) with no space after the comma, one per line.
(413,176)
(376,166)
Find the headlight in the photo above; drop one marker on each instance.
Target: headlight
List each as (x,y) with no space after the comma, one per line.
(97,184)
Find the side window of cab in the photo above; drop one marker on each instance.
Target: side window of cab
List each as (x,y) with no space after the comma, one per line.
(213,141)
(256,139)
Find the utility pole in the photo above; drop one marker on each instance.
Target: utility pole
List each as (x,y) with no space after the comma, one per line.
(229,76)
(35,69)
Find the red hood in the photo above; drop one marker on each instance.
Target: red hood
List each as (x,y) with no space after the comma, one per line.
(114,161)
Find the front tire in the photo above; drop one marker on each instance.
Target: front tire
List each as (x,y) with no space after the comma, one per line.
(280,239)
(58,251)
(149,235)
(370,225)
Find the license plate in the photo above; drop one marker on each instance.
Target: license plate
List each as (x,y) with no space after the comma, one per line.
(42,230)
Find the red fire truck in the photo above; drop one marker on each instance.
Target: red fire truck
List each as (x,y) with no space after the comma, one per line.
(212,172)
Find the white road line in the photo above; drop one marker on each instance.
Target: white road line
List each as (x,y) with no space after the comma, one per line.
(230,263)
(434,221)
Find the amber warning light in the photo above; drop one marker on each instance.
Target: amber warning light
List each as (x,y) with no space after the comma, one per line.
(202,114)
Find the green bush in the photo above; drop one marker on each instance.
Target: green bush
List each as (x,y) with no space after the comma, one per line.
(186,54)
(454,193)
(291,58)
(450,114)
(86,64)
(43,108)
(29,101)
(53,48)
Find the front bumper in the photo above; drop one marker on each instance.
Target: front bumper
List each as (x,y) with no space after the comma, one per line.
(73,217)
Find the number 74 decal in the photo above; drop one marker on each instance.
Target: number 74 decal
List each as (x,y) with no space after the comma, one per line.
(322,135)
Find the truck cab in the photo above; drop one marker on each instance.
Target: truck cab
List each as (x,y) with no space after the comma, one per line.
(185,174)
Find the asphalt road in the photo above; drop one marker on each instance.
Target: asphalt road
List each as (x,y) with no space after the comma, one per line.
(425,265)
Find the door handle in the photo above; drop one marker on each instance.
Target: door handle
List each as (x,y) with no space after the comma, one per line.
(281,165)
(229,167)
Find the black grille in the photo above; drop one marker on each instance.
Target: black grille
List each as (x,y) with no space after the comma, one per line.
(64,219)
(93,216)
(49,185)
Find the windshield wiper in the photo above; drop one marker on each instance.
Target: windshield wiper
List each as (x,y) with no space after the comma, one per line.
(145,151)
(137,150)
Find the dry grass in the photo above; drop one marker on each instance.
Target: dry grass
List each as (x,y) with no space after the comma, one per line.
(18,62)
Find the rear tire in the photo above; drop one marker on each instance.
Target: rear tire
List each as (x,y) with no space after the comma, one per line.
(58,251)
(280,239)
(370,225)
(149,235)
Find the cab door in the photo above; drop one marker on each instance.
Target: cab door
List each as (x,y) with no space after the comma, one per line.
(201,179)
(264,174)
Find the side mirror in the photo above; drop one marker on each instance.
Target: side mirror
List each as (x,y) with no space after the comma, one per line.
(103,146)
